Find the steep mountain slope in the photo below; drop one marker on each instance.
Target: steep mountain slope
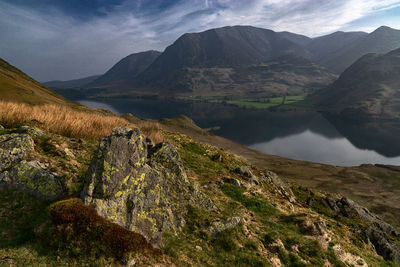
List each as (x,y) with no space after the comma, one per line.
(382,40)
(126,69)
(17,86)
(71,83)
(297,38)
(322,47)
(369,88)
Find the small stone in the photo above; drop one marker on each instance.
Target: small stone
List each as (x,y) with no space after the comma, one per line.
(253,180)
(199,248)
(232,181)
(243,171)
(130,263)
(217,157)
(219,226)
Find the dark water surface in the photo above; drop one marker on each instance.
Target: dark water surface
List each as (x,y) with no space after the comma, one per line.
(298,135)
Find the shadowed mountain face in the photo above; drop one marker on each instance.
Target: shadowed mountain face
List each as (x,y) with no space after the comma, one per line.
(236,60)
(16,86)
(369,88)
(382,40)
(127,68)
(71,83)
(323,47)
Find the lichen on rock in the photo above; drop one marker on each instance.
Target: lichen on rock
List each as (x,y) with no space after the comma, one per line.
(220,226)
(33,178)
(32,131)
(143,190)
(14,148)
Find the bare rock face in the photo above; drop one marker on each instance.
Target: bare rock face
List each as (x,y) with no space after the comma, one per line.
(146,191)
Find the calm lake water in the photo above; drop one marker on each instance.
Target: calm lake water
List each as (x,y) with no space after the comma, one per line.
(297,135)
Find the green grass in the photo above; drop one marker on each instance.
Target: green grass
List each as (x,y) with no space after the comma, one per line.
(196,157)
(274,103)
(256,204)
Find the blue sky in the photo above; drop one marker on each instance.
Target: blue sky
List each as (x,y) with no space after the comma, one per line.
(66,39)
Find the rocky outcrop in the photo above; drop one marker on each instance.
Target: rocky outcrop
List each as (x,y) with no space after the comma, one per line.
(28,176)
(144,190)
(280,187)
(33,178)
(381,235)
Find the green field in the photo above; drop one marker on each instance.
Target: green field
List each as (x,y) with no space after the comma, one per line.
(279,103)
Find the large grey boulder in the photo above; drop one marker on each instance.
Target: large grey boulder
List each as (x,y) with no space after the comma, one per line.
(146,191)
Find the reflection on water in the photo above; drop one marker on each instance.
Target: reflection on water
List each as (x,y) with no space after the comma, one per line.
(298,135)
(310,146)
(95,104)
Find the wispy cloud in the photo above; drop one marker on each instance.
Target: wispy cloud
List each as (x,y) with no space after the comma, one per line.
(53,43)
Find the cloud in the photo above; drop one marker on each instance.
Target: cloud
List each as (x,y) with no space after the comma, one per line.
(54,43)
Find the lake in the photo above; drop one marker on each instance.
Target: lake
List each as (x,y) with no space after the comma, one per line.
(301,135)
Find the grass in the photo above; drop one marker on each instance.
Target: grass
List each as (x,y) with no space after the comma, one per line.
(274,103)
(201,160)
(69,122)
(255,204)
(17,86)
(21,214)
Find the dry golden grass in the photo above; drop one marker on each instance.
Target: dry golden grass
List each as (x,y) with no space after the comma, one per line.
(70,122)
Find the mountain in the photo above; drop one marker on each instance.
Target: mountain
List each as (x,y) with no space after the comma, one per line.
(369,88)
(230,60)
(322,47)
(71,83)
(297,38)
(382,40)
(127,68)
(16,86)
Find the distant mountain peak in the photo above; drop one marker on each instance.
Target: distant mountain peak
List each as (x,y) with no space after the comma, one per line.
(384,29)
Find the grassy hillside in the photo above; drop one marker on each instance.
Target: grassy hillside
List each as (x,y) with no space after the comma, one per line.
(368,88)
(17,86)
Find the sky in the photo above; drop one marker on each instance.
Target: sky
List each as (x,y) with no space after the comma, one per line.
(69,39)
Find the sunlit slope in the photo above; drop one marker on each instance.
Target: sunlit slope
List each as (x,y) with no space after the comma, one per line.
(17,86)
